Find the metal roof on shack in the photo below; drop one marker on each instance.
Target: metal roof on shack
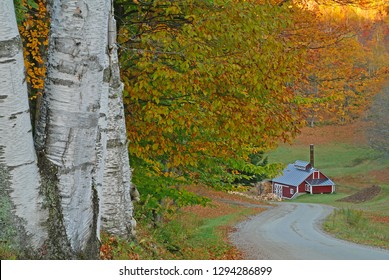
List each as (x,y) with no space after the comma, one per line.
(293,174)
(320,182)
(296,173)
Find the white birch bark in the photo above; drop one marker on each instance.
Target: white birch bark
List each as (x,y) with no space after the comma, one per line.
(20,183)
(68,128)
(81,115)
(116,203)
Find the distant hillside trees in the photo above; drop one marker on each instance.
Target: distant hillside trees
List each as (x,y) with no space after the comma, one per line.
(347,61)
(378,133)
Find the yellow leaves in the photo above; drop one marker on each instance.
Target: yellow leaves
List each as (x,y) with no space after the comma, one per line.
(34,32)
(235,172)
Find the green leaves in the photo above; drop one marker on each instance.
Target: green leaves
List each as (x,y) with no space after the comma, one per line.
(161,192)
(22,8)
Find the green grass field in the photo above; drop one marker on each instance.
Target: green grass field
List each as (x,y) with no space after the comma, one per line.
(335,160)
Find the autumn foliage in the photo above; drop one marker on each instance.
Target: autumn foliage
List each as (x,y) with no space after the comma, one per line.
(345,63)
(205,88)
(210,85)
(34,30)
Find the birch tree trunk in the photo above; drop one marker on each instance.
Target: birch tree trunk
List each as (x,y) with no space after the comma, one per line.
(55,204)
(69,124)
(22,216)
(116,206)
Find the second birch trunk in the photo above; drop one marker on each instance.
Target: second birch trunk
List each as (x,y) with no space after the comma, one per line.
(68,126)
(116,206)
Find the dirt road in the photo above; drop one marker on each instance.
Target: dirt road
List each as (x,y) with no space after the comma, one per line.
(292,231)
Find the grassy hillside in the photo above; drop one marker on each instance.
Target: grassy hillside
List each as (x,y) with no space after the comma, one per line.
(342,153)
(336,160)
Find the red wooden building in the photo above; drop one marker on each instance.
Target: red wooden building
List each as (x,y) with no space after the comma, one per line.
(301,177)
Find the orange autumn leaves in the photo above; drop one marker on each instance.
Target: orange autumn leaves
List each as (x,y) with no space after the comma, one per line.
(34,30)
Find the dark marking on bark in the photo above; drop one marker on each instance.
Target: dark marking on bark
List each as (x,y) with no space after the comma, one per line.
(92,250)
(2,98)
(10,48)
(107,75)
(112,143)
(94,63)
(57,246)
(15,115)
(41,128)
(62,82)
(82,166)
(67,68)
(93,107)
(70,46)
(7,61)
(10,168)
(115,82)
(118,117)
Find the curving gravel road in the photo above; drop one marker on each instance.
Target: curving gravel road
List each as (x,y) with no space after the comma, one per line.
(292,231)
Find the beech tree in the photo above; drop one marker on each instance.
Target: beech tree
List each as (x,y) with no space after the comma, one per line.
(58,194)
(206,87)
